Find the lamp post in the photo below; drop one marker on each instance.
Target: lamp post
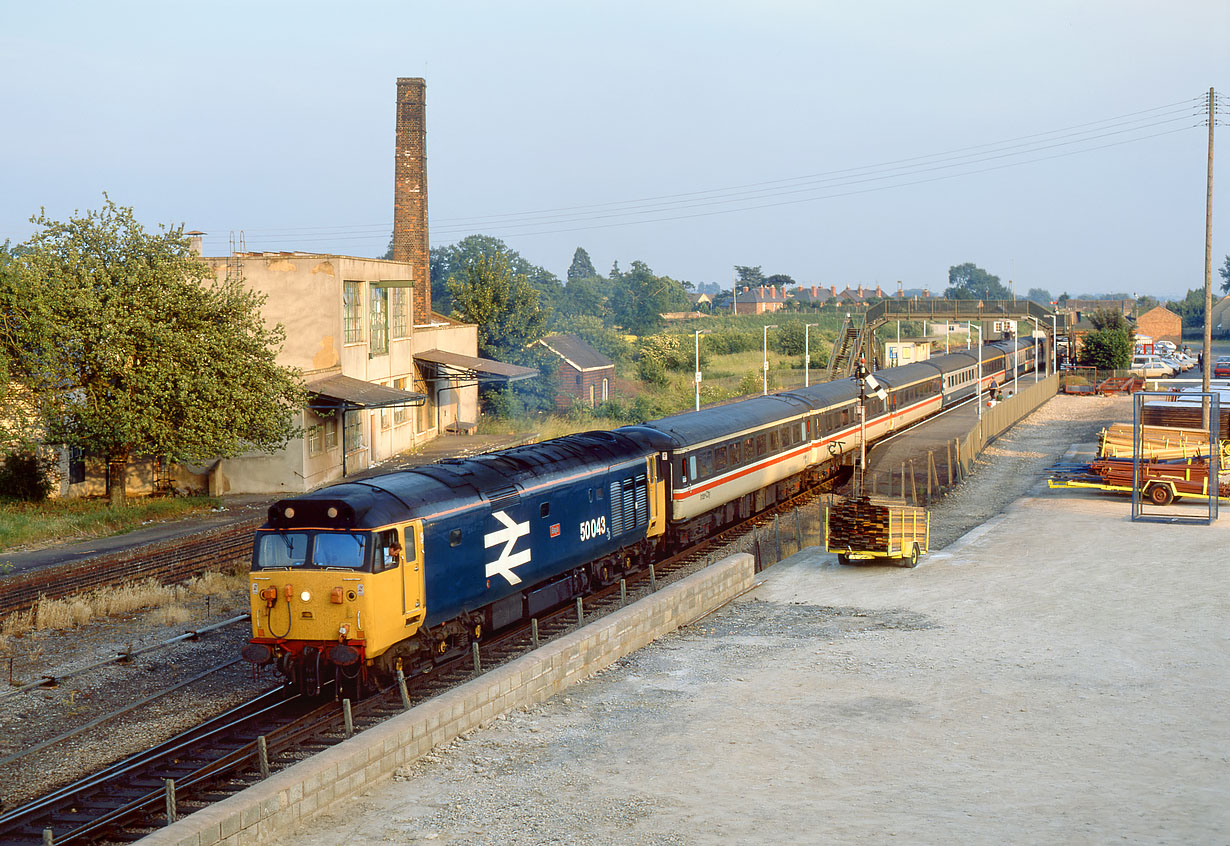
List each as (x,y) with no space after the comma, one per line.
(699,332)
(972,329)
(807,355)
(766,355)
(1037,329)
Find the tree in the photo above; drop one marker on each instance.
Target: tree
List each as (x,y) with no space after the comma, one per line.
(1190,308)
(781,280)
(1039,295)
(1224,270)
(127,346)
(581,267)
(586,296)
(639,299)
(750,276)
(1108,349)
(503,304)
(1108,318)
(452,261)
(970,282)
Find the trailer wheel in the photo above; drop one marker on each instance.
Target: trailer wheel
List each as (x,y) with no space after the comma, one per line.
(842,558)
(1160,494)
(912,560)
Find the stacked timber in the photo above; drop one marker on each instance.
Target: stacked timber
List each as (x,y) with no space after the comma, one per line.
(865,525)
(1188,477)
(1183,415)
(1157,443)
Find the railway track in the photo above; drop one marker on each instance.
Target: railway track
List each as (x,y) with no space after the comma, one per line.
(226,754)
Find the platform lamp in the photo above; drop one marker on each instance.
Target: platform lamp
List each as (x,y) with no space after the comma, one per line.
(699,332)
(807,355)
(766,355)
(1054,351)
(972,329)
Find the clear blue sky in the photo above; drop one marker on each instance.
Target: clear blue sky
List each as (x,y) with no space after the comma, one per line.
(943,132)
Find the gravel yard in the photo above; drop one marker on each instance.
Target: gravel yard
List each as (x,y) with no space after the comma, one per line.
(1017,687)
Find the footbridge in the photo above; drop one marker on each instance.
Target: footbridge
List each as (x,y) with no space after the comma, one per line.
(856,337)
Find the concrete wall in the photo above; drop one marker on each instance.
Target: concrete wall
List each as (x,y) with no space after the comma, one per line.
(296,794)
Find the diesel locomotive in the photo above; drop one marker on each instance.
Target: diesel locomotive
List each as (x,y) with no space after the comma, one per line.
(409,568)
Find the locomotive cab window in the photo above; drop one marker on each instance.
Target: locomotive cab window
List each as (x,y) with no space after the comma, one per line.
(544,510)
(454,537)
(322,550)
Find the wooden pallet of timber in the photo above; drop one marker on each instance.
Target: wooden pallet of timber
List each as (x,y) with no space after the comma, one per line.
(863,528)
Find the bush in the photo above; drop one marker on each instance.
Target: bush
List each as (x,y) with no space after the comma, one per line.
(23,475)
(503,404)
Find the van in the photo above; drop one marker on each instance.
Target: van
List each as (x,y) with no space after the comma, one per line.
(1150,367)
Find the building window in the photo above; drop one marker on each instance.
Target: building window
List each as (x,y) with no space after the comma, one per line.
(331,434)
(352,438)
(398,324)
(76,465)
(379,320)
(400,413)
(351,301)
(605,397)
(315,439)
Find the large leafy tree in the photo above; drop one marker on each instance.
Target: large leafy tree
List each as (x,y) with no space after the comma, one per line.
(970,282)
(503,304)
(639,298)
(750,276)
(1224,270)
(453,261)
(1190,308)
(1108,349)
(127,346)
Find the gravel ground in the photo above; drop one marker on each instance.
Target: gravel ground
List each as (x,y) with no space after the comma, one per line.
(465,771)
(31,717)
(641,755)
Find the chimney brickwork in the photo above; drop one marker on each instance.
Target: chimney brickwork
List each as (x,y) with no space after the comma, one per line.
(410,190)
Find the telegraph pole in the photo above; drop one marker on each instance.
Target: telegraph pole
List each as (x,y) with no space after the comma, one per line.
(1208,265)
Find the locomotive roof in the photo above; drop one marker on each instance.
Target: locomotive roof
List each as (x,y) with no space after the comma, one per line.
(907,374)
(454,484)
(694,427)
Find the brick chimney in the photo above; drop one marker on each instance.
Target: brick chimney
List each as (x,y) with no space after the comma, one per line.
(926,293)
(860,292)
(833,290)
(879,293)
(410,190)
(814,292)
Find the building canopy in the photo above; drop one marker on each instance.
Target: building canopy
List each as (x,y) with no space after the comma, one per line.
(333,391)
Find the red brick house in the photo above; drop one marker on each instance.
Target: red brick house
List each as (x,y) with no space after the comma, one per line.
(1161,324)
(584,373)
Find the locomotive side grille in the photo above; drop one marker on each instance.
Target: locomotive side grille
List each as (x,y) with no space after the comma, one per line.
(617,510)
(629,505)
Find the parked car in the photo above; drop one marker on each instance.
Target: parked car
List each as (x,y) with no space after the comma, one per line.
(1150,367)
(1221,367)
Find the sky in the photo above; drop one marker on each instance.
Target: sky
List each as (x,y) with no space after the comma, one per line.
(1059,144)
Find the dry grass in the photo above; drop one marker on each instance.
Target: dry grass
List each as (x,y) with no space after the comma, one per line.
(31,525)
(170,602)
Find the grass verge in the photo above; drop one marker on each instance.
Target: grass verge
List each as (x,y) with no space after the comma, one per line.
(30,525)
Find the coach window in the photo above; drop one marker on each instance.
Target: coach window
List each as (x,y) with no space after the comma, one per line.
(773,441)
(692,466)
(762,445)
(719,458)
(706,464)
(734,454)
(749,449)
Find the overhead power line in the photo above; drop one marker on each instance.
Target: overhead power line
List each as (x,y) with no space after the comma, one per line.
(1130,128)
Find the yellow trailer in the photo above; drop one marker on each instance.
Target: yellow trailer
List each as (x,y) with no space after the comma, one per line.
(862,529)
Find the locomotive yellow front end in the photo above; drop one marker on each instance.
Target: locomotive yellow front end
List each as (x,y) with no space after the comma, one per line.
(326,602)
